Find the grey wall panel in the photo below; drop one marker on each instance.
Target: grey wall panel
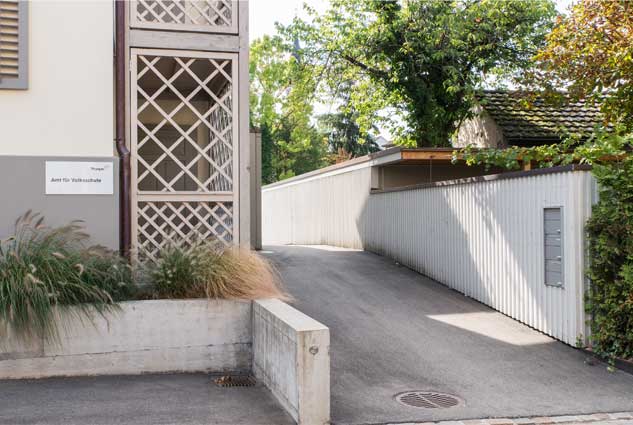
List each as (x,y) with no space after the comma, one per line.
(22,188)
(553,244)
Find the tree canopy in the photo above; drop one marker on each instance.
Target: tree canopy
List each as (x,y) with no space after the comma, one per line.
(410,67)
(344,135)
(420,60)
(590,53)
(295,138)
(282,106)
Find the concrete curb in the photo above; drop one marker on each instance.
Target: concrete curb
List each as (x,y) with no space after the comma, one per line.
(621,364)
(615,418)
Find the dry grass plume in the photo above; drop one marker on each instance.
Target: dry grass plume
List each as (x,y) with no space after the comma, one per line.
(211,271)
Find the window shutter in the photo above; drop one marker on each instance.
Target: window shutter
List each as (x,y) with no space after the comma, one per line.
(13,44)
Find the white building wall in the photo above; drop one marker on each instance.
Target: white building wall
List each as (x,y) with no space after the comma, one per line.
(483,238)
(480,131)
(68,107)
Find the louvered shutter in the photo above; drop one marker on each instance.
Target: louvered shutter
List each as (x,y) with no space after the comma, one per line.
(13,44)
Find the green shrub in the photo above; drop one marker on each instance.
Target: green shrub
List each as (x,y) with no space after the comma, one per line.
(610,237)
(43,269)
(213,271)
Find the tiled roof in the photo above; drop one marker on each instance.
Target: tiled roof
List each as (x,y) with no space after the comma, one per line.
(523,118)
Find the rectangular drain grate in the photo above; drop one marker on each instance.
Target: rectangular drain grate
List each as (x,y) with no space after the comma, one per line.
(227,381)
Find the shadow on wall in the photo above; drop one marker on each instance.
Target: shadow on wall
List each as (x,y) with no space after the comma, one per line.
(484,237)
(392,224)
(484,240)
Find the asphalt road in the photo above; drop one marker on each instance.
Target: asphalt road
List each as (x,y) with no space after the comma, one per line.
(182,399)
(393,330)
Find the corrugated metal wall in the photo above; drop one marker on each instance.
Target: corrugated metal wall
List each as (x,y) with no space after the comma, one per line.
(484,239)
(326,210)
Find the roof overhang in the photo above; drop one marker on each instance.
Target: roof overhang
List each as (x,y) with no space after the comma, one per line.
(392,156)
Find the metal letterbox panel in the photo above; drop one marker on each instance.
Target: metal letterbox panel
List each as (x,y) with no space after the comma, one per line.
(553,246)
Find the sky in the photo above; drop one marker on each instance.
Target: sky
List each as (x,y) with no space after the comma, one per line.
(264,13)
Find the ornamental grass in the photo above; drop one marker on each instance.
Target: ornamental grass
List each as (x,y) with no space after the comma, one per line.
(214,271)
(43,270)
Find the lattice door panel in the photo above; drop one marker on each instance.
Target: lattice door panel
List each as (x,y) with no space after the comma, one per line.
(185,15)
(182,223)
(191,99)
(184,147)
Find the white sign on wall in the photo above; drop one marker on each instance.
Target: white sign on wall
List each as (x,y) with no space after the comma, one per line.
(79,178)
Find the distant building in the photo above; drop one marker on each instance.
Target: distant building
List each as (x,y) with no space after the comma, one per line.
(384,143)
(505,118)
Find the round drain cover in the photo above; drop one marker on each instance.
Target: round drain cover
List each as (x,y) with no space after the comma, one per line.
(427,399)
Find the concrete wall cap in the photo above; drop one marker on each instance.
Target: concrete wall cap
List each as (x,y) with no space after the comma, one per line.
(290,315)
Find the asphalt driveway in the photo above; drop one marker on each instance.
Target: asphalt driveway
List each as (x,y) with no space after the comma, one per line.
(393,330)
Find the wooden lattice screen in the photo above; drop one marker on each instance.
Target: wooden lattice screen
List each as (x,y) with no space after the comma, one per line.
(184,153)
(185,15)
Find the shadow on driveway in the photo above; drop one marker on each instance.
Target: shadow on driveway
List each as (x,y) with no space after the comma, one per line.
(394,330)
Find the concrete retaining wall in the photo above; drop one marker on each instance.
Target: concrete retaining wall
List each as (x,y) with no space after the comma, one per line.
(143,337)
(287,350)
(291,357)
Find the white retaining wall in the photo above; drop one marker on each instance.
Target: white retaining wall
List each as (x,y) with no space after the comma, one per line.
(143,337)
(291,357)
(483,237)
(320,211)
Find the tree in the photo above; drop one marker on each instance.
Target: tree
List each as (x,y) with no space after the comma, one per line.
(591,54)
(281,104)
(299,148)
(422,58)
(346,139)
(344,135)
(268,148)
